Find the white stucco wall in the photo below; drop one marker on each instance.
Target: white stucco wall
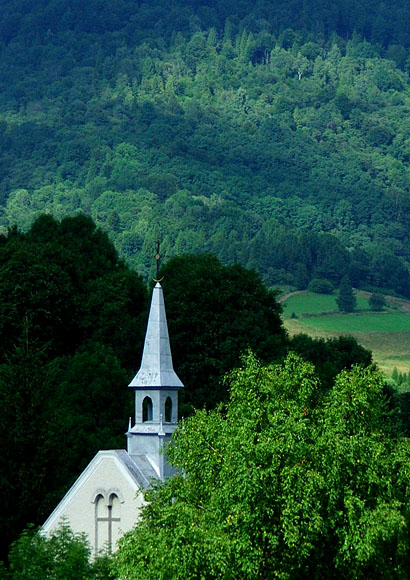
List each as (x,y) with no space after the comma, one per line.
(104,476)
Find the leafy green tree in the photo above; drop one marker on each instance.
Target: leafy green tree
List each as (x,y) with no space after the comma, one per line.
(346,300)
(283,483)
(63,556)
(377,302)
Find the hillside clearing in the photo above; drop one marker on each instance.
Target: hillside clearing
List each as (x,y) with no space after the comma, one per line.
(386,334)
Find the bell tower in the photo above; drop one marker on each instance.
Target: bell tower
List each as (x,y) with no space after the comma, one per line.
(156,387)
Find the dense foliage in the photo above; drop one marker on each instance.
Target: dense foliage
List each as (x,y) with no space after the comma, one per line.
(215,313)
(274,134)
(71,329)
(287,482)
(63,556)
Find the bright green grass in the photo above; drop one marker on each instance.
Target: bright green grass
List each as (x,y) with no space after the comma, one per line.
(374,322)
(386,334)
(309,303)
(390,349)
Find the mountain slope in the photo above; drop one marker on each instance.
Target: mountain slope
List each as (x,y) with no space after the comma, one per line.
(214,134)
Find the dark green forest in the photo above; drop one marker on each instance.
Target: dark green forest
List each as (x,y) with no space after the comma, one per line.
(273,134)
(72,322)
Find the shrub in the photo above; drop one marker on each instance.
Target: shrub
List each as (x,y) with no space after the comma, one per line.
(321,286)
(377,302)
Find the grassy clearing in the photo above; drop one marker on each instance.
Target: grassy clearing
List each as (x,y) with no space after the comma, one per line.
(372,322)
(308,303)
(386,334)
(390,349)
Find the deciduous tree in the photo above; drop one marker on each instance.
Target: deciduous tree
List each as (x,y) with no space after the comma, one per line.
(283,483)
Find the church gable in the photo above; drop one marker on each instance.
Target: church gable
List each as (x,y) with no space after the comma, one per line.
(103,502)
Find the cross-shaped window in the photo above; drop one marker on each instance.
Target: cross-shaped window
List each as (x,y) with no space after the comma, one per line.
(105,516)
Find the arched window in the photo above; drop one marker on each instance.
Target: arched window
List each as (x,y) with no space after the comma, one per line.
(168,410)
(101,530)
(105,516)
(147,409)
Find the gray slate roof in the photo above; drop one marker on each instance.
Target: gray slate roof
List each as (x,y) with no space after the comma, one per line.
(138,466)
(156,367)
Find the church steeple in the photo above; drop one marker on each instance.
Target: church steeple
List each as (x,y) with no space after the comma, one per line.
(156,386)
(157,370)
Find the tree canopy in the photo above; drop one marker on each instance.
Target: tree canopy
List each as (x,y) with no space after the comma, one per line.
(215,313)
(285,482)
(272,134)
(71,328)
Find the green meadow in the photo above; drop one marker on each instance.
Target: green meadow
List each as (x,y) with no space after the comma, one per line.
(386,334)
(308,303)
(366,322)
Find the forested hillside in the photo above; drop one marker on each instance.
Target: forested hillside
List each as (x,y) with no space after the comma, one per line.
(275,134)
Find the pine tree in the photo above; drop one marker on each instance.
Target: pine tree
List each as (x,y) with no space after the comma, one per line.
(346,300)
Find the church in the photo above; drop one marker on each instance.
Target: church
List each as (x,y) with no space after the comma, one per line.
(105,500)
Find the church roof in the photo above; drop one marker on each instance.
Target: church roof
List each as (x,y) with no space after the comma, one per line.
(138,466)
(156,367)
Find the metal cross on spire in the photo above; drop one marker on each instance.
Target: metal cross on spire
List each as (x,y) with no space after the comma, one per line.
(158,257)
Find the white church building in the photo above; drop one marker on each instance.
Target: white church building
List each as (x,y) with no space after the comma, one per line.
(104,502)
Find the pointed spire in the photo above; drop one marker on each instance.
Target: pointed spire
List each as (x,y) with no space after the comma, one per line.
(156,367)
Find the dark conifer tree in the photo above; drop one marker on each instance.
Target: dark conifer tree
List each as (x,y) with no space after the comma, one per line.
(346,300)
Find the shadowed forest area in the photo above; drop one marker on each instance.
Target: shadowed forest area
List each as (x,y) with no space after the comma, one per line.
(273,134)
